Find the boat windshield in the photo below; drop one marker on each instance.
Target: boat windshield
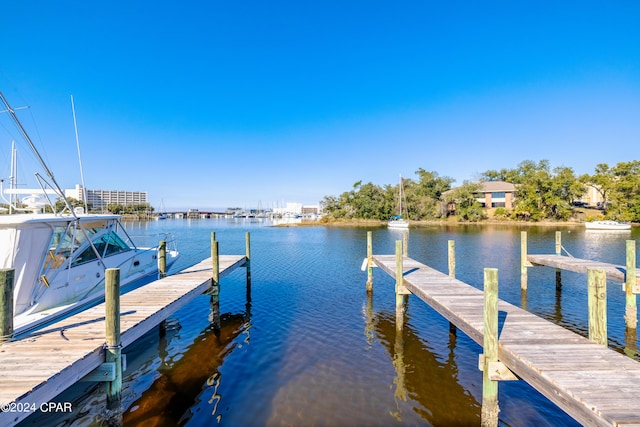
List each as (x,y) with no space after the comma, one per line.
(67,240)
(106,245)
(64,241)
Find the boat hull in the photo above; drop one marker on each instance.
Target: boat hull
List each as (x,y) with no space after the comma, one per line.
(36,318)
(607,225)
(399,223)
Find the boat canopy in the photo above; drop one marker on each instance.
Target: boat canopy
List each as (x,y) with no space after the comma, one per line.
(21,248)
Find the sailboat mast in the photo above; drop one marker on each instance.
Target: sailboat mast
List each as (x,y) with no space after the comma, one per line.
(400,191)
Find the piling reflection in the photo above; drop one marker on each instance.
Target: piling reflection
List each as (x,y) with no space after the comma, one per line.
(421,376)
(174,392)
(558,303)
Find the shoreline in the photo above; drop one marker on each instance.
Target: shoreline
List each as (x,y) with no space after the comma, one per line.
(418,224)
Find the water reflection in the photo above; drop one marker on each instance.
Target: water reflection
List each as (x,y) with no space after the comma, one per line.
(180,384)
(433,384)
(145,356)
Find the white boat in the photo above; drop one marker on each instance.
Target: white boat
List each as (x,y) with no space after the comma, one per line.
(607,225)
(397,221)
(59,259)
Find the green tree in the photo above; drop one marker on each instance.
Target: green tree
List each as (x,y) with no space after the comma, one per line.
(369,201)
(541,192)
(423,196)
(115,208)
(603,180)
(624,196)
(464,201)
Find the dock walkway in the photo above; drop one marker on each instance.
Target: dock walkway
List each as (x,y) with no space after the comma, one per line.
(37,368)
(578,265)
(591,383)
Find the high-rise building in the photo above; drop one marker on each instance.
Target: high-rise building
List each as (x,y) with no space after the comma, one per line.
(101,198)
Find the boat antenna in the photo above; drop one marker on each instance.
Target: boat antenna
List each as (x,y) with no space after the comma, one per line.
(57,188)
(75,126)
(13,179)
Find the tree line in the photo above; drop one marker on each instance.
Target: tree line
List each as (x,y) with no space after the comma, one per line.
(542,193)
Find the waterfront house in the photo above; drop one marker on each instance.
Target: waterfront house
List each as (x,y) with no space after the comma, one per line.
(496,194)
(490,195)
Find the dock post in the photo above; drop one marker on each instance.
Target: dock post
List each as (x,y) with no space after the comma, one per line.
(113,347)
(523,260)
(214,304)
(6,303)
(452,273)
(631,310)
(405,244)
(558,271)
(369,321)
(401,291)
(452,258)
(597,300)
(248,255)
(162,259)
(215,260)
(369,261)
(490,407)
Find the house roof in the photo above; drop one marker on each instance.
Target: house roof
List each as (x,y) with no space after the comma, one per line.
(494,186)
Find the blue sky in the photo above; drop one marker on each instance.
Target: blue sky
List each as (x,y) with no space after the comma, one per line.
(234,103)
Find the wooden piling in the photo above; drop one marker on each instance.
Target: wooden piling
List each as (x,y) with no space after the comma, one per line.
(401,290)
(369,261)
(162,259)
(490,409)
(631,309)
(452,258)
(399,278)
(248,255)
(597,301)
(214,304)
(558,271)
(451,252)
(405,243)
(113,348)
(523,260)
(6,303)
(215,260)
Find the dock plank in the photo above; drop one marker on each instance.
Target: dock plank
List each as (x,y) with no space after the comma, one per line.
(40,366)
(593,384)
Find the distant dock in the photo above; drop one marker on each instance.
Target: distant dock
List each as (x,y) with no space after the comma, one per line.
(590,382)
(39,366)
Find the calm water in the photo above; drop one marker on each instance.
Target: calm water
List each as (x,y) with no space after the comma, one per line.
(306,346)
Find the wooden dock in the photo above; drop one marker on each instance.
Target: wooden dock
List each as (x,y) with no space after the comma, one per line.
(591,383)
(37,368)
(577,265)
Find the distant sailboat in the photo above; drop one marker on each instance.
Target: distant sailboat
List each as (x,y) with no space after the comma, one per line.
(397,221)
(163,211)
